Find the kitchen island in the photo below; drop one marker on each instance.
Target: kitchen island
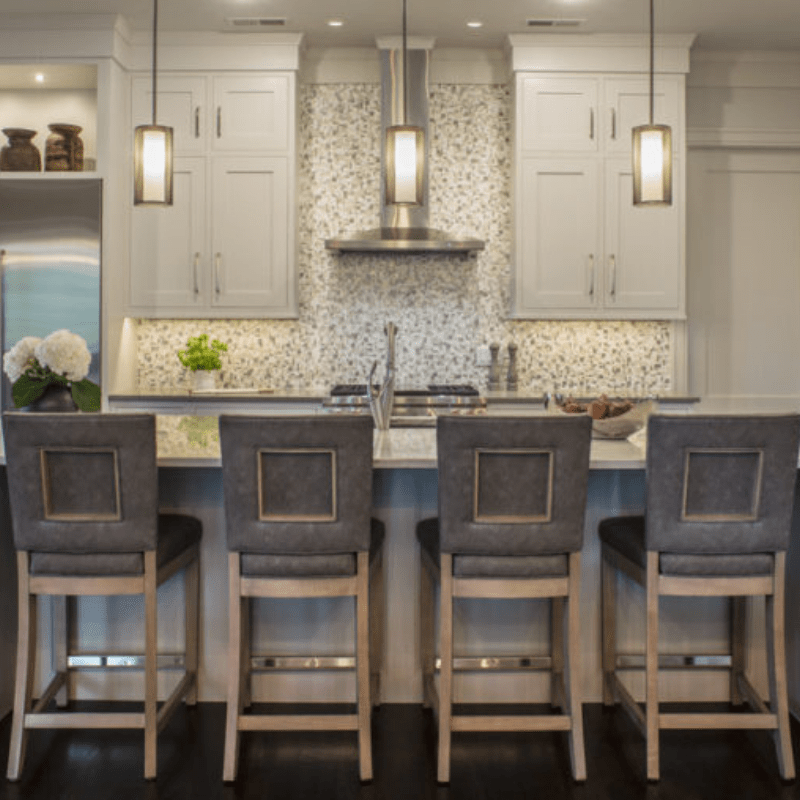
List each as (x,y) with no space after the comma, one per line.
(404,492)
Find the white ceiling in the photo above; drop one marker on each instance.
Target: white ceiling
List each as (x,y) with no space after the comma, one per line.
(719,24)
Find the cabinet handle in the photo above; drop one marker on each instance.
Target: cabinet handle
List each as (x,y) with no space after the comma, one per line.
(613,123)
(197,122)
(591,123)
(217,258)
(612,261)
(194,275)
(219,121)
(591,275)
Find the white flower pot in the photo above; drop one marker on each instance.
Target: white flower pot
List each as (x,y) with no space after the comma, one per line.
(203,381)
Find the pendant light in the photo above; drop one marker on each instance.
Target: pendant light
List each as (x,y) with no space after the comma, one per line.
(652,153)
(152,150)
(405,151)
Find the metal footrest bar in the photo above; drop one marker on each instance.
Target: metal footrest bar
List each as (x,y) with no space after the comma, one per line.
(498,663)
(108,661)
(675,661)
(277,663)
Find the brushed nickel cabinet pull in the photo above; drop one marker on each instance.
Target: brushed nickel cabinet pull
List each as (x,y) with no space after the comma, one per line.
(612,260)
(217,258)
(219,121)
(591,275)
(613,123)
(197,122)
(591,123)
(194,275)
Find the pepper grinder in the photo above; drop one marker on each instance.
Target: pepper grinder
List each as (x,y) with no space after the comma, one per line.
(511,376)
(494,367)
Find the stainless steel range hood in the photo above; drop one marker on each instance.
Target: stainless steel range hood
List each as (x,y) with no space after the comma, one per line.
(404,229)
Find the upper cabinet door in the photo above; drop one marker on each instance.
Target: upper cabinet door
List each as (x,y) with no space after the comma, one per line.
(250,233)
(559,236)
(250,113)
(181,105)
(558,114)
(643,249)
(627,103)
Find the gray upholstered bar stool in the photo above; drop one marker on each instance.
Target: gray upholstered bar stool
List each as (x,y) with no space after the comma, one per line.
(298,494)
(512,500)
(84,507)
(720,493)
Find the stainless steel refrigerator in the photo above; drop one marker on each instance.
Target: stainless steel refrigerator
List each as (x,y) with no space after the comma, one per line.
(50,263)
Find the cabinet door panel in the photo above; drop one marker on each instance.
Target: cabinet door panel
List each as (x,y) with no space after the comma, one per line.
(558,114)
(168,251)
(558,235)
(628,105)
(251,113)
(643,247)
(181,105)
(250,233)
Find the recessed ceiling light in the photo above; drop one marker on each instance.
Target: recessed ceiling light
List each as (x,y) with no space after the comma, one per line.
(474,23)
(335,23)
(39,77)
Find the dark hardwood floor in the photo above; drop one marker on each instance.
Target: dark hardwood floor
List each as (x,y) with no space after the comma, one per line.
(107,765)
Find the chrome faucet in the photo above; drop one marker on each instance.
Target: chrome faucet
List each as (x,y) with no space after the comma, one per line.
(382,402)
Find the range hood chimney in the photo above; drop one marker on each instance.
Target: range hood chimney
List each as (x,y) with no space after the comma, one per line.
(404,228)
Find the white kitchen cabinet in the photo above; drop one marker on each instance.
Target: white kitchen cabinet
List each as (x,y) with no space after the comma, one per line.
(226,247)
(581,249)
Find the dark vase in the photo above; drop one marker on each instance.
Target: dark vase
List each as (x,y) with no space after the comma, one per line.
(54,400)
(20,154)
(63,150)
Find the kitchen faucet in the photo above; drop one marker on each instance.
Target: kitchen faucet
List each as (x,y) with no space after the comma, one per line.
(382,402)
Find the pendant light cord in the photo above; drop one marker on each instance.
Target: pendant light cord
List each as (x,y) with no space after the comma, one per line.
(652,59)
(405,69)
(155,48)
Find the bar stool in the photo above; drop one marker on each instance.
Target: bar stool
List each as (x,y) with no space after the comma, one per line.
(298,493)
(84,506)
(512,499)
(720,493)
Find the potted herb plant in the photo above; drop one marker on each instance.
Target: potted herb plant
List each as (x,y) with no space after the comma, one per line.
(202,358)
(50,374)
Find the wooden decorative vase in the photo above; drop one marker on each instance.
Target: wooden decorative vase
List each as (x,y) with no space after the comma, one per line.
(20,154)
(64,148)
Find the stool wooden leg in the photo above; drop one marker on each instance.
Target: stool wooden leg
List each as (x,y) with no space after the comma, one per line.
(376,628)
(191,616)
(362,668)
(150,664)
(776,649)
(60,610)
(577,751)
(651,667)
(245,673)
(738,622)
(26,649)
(609,624)
(231,755)
(446,672)
(557,699)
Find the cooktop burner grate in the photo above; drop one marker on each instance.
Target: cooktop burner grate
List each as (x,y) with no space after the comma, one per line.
(452,389)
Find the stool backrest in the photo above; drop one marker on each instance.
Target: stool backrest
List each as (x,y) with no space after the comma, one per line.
(513,485)
(297,484)
(721,484)
(82,483)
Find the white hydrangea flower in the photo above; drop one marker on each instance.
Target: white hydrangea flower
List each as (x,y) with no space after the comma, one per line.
(65,353)
(17,359)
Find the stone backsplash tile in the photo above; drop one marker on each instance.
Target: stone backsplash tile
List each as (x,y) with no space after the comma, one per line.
(444,306)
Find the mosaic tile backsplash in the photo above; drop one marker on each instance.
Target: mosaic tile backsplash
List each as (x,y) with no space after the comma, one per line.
(444,306)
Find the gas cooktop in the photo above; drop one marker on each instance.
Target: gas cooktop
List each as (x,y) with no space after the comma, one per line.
(434,389)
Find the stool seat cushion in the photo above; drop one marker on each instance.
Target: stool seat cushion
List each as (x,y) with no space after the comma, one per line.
(176,532)
(315,565)
(492,566)
(626,535)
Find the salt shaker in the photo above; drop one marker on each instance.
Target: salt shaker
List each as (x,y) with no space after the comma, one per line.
(494,367)
(512,381)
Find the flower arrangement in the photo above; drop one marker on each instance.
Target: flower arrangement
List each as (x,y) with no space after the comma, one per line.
(61,359)
(199,354)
